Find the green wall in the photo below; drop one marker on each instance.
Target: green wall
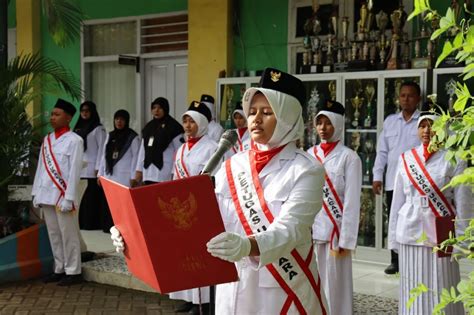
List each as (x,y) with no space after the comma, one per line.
(12,14)
(263,34)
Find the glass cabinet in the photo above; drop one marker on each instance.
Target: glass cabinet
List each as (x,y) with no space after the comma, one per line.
(444,85)
(369,97)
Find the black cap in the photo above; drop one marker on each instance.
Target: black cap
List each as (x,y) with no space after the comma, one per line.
(66,106)
(238,106)
(332,106)
(163,102)
(207,98)
(277,80)
(201,108)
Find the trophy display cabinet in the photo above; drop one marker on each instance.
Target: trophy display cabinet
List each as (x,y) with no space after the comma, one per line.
(369,97)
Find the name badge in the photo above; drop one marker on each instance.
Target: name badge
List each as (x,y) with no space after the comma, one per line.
(115,155)
(424,201)
(150,141)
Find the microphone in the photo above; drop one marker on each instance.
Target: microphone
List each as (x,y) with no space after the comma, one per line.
(227,141)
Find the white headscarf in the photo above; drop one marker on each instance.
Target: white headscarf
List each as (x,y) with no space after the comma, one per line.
(200,120)
(287,110)
(336,120)
(241,112)
(430,117)
(211,108)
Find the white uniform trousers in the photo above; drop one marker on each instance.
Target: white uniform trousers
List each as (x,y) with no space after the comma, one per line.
(336,279)
(63,235)
(418,264)
(196,296)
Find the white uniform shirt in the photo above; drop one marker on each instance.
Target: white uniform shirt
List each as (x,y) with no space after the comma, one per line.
(68,151)
(243,142)
(153,173)
(408,219)
(344,168)
(124,169)
(292,183)
(215,130)
(197,157)
(93,154)
(397,137)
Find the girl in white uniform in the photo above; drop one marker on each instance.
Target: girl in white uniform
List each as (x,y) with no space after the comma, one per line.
(119,158)
(269,197)
(55,190)
(214,130)
(240,122)
(189,161)
(336,226)
(419,207)
(93,134)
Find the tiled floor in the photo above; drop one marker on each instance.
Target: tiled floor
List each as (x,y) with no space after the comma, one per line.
(368,278)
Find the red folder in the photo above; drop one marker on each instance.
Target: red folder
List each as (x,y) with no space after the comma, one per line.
(444,225)
(166,227)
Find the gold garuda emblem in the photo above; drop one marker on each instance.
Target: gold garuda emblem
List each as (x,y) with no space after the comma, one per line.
(329,104)
(196,104)
(275,76)
(183,214)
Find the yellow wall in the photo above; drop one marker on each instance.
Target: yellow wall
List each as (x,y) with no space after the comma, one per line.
(210,45)
(28,36)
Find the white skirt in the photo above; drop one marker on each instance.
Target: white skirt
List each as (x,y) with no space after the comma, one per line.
(418,264)
(336,279)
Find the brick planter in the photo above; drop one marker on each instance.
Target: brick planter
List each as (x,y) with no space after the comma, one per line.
(26,254)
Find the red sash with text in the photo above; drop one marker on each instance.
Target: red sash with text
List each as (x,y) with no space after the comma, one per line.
(180,168)
(292,272)
(431,194)
(332,205)
(52,168)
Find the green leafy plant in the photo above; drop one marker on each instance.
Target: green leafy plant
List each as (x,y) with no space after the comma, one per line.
(453,132)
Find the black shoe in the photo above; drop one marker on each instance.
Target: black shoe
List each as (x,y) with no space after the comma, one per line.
(184,308)
(391,269)
(195,309)
(70,280)
(87,256)
(54,277)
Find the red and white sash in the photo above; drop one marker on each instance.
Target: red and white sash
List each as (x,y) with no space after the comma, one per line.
(180,167)
(52,168)
(425,185)
(332,205)
(292,272)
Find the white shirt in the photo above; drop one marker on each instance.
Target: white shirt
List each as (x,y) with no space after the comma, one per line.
(215,130)
(396,137)
(344,167)
(153,173)
(68,150)
(196,158)
(408,219)
(124,169)
(292,185)
(93,154)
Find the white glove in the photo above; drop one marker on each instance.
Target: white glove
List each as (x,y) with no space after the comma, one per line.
(117,239)
(35,202)
(229,246)
(66,205)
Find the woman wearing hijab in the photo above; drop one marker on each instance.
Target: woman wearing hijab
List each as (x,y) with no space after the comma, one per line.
(421,211)
(269,197)
(93,134)
(336,226)
(162,137)
(189,161)
(119,159)
(240,122)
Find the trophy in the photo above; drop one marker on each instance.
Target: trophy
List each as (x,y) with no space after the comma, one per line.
(395,17)
(369,93)
(356,103)
(332,90)
(345,29)
(311,135)
(355,141)
(450,89)
(361,25)
(369,147)
(382,21)
(229,94)
(396,95)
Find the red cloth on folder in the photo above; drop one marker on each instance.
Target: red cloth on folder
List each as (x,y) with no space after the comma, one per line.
(166,227)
